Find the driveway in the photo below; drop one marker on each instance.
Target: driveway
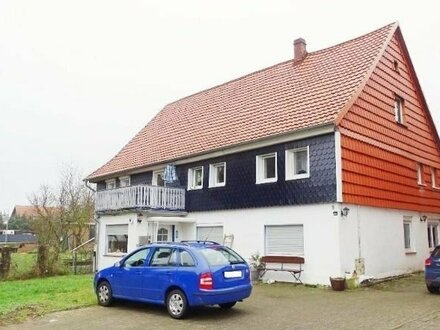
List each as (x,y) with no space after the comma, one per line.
(401,304)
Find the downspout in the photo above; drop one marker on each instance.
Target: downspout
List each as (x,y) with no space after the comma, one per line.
(97,229)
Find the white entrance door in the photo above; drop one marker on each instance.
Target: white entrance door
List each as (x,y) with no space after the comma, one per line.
(164,233)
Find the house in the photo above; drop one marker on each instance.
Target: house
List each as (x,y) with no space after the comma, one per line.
(332,155)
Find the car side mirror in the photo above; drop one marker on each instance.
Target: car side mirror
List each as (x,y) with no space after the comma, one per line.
(117,264)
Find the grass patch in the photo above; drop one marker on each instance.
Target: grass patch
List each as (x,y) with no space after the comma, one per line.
(24,298)
(22,265)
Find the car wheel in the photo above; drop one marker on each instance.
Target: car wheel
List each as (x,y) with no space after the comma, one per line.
(104,293)
(227,305)
(432,289)
(177,304)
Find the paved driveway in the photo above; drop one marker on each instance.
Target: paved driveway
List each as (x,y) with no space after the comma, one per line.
(402,304)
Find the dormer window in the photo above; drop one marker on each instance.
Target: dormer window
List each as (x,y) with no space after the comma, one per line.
(398,109)
(110,184)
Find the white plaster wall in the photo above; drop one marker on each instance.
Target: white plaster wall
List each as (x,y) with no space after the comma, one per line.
(376,235)
(321,235)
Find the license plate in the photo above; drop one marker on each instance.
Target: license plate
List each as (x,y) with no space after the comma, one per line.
(233,274)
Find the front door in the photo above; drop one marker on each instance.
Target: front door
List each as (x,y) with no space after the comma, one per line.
(165,233)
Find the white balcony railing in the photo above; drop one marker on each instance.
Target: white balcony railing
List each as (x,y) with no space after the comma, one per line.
(141,196)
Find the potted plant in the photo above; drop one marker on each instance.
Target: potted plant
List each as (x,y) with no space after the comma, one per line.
(337,283)
(256,265)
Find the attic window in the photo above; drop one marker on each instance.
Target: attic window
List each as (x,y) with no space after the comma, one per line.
(398,109)
(420,177)
(396,66)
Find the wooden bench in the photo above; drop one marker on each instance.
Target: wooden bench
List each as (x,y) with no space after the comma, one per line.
(283,261)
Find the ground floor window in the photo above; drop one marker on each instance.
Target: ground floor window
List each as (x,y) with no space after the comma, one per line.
(432,235)
(117,238)
(210,233)
(408,238)
(284,240)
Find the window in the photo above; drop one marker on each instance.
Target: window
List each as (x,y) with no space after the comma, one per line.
(124,181)
(398,109)
(266,168)
(92,230)
(220,256)
(186,260)
(408,237)
(432,235)
(217,175)
(297,164)
(162,235)
(164,257)
(195,178)
(396,66)
(137,259)
(117,237)
(285,240)
(434,178)
(420,177)
(110,184)
(210,233)
(158,179)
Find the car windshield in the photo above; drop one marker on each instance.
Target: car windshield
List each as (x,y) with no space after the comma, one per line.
(221,255)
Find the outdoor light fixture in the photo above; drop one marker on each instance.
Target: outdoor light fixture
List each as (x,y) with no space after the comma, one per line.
(139,217)
(423,218)
(344,211)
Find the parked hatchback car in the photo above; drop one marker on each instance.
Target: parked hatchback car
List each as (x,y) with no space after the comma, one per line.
(432,271)
(177,275)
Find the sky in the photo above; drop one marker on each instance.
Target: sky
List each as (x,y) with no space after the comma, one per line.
(78,79)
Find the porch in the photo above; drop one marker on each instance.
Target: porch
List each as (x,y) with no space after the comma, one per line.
(140,197)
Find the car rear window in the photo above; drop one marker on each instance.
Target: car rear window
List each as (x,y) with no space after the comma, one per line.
(436,253)
(221,255)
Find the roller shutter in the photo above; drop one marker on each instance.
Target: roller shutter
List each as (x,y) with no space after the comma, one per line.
(285,240)
(212,233)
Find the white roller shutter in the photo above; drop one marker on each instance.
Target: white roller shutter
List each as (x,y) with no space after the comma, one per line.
(212,233)
(117,229)
(285,240)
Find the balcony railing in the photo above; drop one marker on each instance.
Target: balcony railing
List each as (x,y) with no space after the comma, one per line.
(142,197)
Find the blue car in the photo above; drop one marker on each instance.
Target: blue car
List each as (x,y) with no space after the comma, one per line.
(177,275)
(432,271)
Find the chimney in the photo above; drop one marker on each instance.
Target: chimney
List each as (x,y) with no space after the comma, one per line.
(300,51)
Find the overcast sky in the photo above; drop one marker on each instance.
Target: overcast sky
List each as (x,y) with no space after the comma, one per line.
(78,79)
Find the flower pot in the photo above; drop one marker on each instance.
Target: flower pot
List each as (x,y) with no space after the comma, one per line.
(337,283)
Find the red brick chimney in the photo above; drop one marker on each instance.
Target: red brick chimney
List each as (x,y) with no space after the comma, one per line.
(300,51)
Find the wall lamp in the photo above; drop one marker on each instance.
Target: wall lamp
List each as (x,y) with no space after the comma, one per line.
(139,217)
(423,218)
(345,211)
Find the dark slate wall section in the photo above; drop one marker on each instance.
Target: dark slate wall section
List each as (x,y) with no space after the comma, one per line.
(242,192)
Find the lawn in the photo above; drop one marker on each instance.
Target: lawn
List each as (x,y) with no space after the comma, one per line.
(22,265)
(24,298)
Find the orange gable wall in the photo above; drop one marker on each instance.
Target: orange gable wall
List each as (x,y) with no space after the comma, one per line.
(380,156)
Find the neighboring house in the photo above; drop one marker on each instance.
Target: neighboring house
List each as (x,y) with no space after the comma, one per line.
(332,155)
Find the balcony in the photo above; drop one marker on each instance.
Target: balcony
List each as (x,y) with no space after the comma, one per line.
(140,197)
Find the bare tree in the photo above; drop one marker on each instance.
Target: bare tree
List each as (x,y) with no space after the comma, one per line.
(63,218)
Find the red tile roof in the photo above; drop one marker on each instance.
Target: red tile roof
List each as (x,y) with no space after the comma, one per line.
(280,99)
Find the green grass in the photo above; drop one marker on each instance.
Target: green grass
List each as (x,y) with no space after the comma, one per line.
(24,298)
(22,265)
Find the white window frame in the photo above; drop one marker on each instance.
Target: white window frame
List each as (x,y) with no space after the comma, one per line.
(110,184)
(191,178)
(259,163)
(433,234)
(290,164)
(155,176)
(420,175)
(407,221)
(399,104)
(107,227)
(434,178)
(126,179)
(213,175)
